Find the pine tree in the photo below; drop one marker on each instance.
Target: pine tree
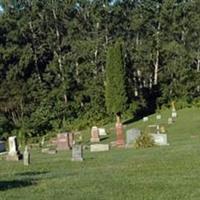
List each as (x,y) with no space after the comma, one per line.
(115,94)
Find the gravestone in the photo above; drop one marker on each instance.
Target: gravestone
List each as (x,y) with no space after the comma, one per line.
(145,119)
(2,146)
(26,156)
(102,132)
(158,117)
(174,116)
(169,121)
(120,135)
(131,136)
(64,141)
(160,139)
(99,147)
(77,152)
(13,153)
(94,135)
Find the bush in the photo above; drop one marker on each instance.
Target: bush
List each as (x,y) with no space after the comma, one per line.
(143,141)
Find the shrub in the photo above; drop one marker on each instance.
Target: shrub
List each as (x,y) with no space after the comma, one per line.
(143,141)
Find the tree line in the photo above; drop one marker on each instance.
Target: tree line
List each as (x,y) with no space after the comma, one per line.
(57,58)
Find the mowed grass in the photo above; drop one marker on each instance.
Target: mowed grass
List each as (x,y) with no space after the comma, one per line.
(159,173)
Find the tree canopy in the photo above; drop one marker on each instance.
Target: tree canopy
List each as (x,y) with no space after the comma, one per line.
(53,58)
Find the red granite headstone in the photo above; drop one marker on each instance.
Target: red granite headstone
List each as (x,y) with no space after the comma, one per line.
(119,133)
(65,141)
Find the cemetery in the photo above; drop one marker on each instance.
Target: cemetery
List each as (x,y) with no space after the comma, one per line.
(99,100)
(102,170)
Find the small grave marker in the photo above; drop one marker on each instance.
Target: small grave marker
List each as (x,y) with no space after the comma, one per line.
(99,147)
(26,156)
(77,152)
(160,139)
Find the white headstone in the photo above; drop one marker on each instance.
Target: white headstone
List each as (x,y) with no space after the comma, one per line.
(145,119)
(99,147)
(13,147)
(13,153)
(102,132)
(174,114)
(160,139)
(170,121)
(158,117)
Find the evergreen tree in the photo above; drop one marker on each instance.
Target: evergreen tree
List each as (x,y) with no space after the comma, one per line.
(115,94)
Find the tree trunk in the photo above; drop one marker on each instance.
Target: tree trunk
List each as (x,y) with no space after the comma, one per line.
(156,67)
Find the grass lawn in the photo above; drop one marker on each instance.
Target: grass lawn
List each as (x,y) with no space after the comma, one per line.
(159,173)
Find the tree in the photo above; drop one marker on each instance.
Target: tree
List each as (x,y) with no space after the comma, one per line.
(115,93)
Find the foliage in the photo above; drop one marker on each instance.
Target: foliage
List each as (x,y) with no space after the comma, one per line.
(55,58)
(115,94)
(144,141)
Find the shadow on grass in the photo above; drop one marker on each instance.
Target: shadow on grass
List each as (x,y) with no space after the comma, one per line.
(6,185)
(31,173)
(104,138)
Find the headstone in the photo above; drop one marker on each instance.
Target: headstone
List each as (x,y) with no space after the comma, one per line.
(77,152)
(158,117)
(145,119)
(170,121)
(13,153)
(174,115)
(131,136)
(99,147)
(94,135)
(160,139)
(64,141)
(2,146)
(26,156)
(52,151)
(120,134)
(102,132)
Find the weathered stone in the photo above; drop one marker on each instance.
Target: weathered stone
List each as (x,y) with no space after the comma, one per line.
(160,139)
(145,119)
(131,136)
(170,121)
(64,141)
(158,117)
(26,156)
(13,154)
(94,135)
(77,152)
(99,147)
(120,134)
(102,132)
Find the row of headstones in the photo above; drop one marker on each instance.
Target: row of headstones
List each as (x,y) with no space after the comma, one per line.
(170,120)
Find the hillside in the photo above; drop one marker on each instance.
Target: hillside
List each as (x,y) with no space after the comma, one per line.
(167,173)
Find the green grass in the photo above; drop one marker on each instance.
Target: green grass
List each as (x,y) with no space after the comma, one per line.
(159,173)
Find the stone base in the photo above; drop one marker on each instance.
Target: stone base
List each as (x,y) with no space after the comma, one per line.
(77,159)
(94,140)
(14,157)
(99,147)
(120,143)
